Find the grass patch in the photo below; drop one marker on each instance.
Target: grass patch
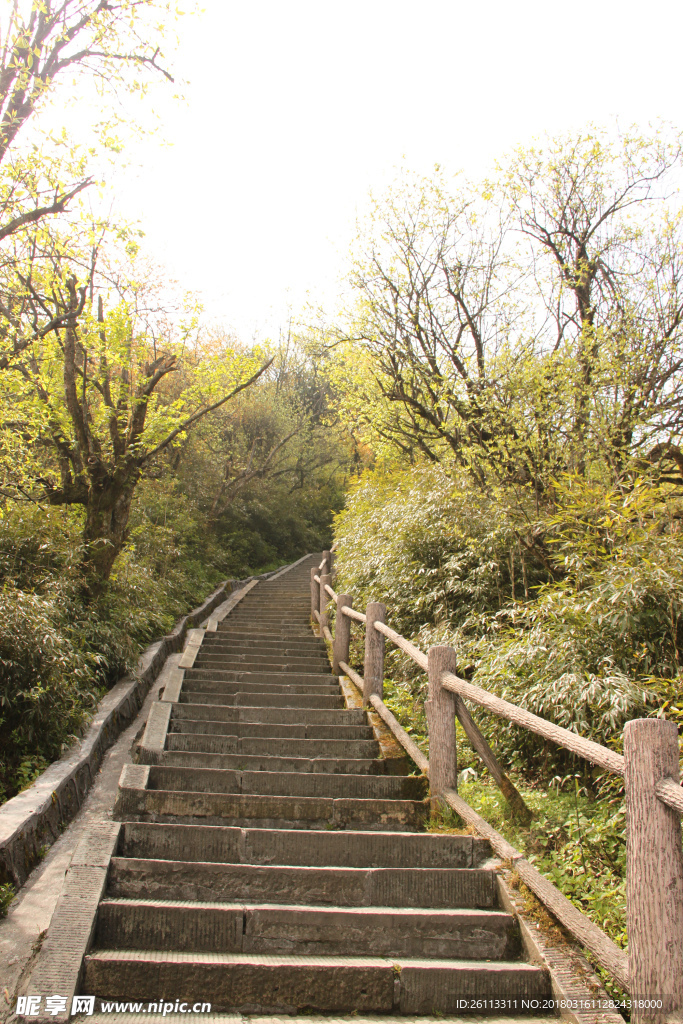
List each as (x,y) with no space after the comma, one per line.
(7,894)
(578,843)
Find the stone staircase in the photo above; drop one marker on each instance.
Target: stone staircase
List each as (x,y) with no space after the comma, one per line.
(271,860)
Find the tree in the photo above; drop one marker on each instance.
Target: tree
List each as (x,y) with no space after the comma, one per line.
(42,40)
(532,325)
(95,410)
(606,247)
(275,434)
(116,43)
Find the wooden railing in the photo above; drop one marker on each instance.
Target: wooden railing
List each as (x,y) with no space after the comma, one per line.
(652,973)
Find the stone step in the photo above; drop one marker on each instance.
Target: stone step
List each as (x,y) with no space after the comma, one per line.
(281,983)
(320,849)
(216,642)
(267,626)
(225,696)
(294,732)
(269,811)
(199,752)
(456,934)
(237,675)
(286,605)
(307,748)
(218,686)
(246,713)
(241,632)
(429,888)
(266,699)
(262,663)
(295,784)
(256,619)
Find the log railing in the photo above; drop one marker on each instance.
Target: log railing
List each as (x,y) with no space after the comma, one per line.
(652,973)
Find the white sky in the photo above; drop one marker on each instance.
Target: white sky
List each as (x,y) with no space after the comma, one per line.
(297,108)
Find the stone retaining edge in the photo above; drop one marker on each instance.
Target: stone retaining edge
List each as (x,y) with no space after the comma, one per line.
(31,821)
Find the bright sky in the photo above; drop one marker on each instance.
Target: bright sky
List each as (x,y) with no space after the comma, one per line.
(296,108)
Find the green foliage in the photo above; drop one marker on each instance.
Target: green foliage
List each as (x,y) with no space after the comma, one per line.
(524,326)
(577,842)
(47,681)
(596,641)
(7,894)
(175,555)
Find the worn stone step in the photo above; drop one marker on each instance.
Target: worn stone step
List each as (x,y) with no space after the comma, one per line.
(295,784)
(315,886)
(457,934)
(272,678)
(268,811)
(266,648)
(281,653)
(224,696)
(199,752)
(286,605)
(218,686)
(241,632)
(222,739)
(258,693)
(310,716)
(291,731)
(308,748)
(264,614)
(261,617)
(281,983)
(261,663)
(320,849)
(216,642)
(266,699)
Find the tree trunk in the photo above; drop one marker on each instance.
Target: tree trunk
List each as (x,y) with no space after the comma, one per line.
(106,528)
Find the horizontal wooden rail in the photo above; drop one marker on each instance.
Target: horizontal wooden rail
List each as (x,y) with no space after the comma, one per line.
(594,752)
(317,614)
(317,579)
(385,714)
(352,674)
(671,794)
(591,751)
(606,952)
(405,645)
(408,744)
(351,613)
(650,768)
(328,636)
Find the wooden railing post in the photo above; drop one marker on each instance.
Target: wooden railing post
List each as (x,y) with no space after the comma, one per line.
(373,669)
(327,559)
(654,871)
(324,600)
(315,594)
(342,633)
(440,709)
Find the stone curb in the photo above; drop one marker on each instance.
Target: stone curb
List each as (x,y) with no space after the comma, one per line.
(33,819)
